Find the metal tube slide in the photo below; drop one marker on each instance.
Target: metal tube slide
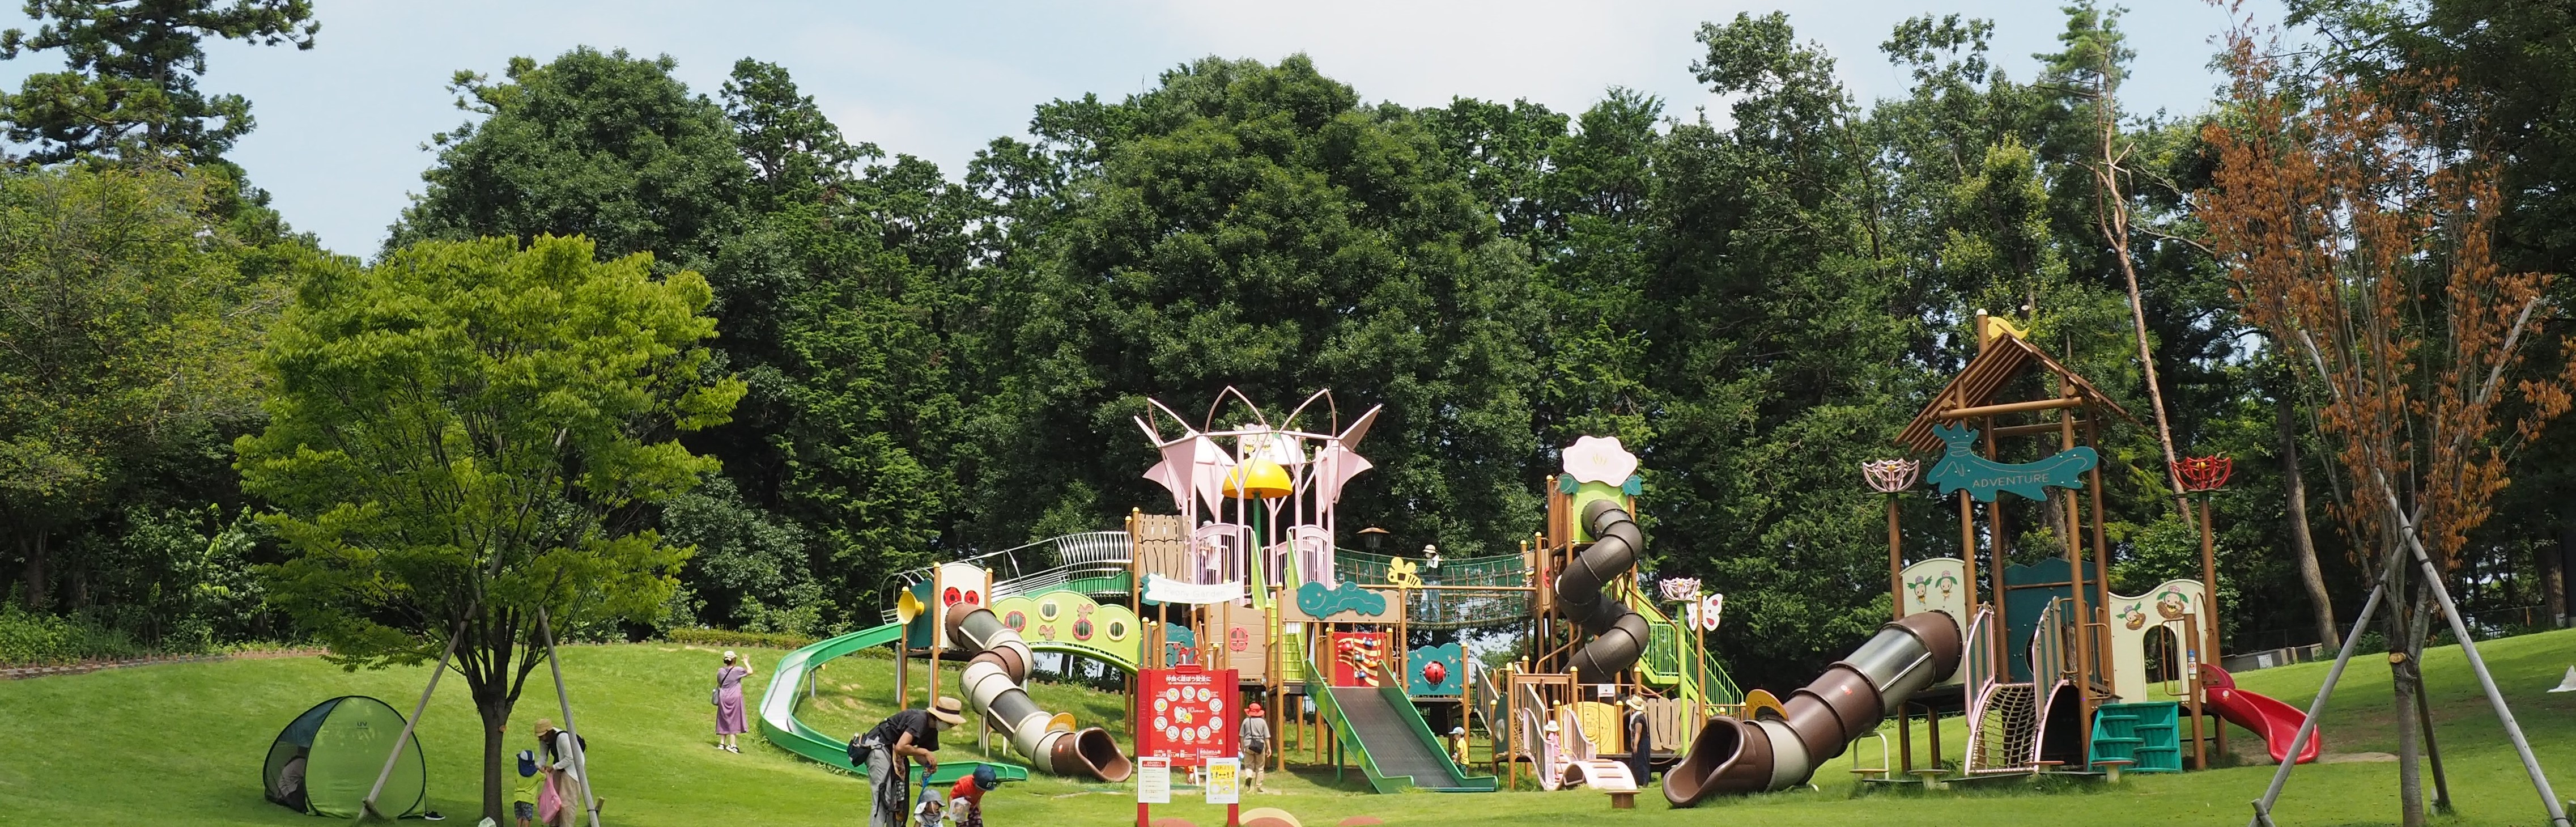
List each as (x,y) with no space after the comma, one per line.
(992,687)
(1619,633)
(1733,757)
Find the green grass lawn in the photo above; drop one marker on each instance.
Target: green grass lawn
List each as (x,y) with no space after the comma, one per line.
(181,744)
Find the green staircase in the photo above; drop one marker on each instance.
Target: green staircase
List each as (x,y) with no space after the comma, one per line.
(1671,662)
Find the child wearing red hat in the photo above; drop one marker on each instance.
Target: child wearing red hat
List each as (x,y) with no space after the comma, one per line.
(1256,744)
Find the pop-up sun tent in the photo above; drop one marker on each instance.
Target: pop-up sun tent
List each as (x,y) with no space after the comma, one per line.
(324,762)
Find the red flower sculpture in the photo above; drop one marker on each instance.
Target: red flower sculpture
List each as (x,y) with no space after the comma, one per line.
(2201,474)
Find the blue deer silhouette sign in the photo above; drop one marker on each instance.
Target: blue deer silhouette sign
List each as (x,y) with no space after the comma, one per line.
(1961,469)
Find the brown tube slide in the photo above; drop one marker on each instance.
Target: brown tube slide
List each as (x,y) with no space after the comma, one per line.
(1734,757)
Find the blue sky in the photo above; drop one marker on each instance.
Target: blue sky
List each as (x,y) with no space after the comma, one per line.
(341,126)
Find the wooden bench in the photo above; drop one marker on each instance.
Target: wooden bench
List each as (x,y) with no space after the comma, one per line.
(1623,799)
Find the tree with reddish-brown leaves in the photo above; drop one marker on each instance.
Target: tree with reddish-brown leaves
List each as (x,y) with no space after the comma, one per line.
(2363,245)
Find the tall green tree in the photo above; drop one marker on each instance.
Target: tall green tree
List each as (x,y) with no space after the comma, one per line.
(1253,225)
(469,433)
(126,329)
(599,144)
(129,88)
(849,352)
(1773,350)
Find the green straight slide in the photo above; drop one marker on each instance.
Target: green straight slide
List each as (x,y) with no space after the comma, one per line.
(778,707)
(1394,747)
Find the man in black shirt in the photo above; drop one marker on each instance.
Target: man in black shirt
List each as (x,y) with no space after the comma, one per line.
(888,748)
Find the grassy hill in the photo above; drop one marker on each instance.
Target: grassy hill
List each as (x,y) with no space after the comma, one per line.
(181,744)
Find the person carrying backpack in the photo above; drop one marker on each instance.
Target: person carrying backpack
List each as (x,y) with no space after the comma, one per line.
(1256,744)
(558,750)
(888,749)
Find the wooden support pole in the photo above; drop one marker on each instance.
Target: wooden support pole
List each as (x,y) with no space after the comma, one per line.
(2009,408)
(368,805)
(1968,555)
(2209,584)
(1895,562)
(2030,429)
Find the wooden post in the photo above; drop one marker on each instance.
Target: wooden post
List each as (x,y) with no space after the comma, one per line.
(938,630)
(2209,584)
(1968,555)
(2085,649)
(1932,723)
(1996,552)
(1895,562)
(1904,739)
(1995,538)
(2192,690)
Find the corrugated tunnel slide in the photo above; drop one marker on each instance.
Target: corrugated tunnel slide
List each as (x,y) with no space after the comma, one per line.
(1734,756)
(1618,633)
(992,680)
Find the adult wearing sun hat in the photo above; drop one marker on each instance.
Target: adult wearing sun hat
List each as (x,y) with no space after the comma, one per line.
(1256,743)
(730,718)
(888,749)
(1640,738)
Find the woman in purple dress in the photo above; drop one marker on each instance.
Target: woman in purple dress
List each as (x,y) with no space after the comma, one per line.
(730,720)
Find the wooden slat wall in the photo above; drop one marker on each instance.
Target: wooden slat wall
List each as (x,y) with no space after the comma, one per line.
(1160,548)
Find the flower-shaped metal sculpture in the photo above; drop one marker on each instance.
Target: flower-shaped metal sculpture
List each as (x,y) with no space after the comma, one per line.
(1679,589)
(1888,476)
(2203,474)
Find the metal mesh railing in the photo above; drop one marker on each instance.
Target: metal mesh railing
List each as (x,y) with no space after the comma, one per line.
(1450,607)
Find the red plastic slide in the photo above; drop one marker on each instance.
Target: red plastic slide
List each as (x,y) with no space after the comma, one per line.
(2277,722)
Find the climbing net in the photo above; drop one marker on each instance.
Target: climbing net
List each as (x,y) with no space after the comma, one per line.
(2002,735)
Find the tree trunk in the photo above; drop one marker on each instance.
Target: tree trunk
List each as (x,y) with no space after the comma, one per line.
(2402,653)
(34,574)
(2558,579)
(496,719)
(2302,545)
(2113,219)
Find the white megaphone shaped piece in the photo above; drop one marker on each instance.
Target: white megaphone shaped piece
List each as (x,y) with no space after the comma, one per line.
(2568,685)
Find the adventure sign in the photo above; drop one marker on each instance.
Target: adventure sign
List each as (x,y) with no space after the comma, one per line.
(1962,470)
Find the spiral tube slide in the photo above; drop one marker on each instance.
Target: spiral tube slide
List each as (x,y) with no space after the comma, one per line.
(992,683)
(1737,756)
(1618,633)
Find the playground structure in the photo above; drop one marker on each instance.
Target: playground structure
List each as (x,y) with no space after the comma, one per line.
(2052,671)
(1241,593)
(1242,584)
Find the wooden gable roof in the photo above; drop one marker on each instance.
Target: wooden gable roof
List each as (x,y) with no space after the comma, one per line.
(2003,358)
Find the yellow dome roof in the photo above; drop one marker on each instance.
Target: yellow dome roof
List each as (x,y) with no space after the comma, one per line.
(1260,478)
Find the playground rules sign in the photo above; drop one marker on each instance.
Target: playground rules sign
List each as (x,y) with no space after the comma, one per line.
(1153,780)
(1189,714)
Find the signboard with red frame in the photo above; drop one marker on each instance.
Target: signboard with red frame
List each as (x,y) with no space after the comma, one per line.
(1189,714)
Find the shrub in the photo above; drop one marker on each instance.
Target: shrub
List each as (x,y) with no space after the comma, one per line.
(34,639)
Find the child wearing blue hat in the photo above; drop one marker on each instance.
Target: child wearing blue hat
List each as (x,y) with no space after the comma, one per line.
(966,800)
(523,799)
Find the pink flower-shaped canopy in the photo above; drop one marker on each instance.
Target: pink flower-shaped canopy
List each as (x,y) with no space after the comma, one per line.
(1600,459)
